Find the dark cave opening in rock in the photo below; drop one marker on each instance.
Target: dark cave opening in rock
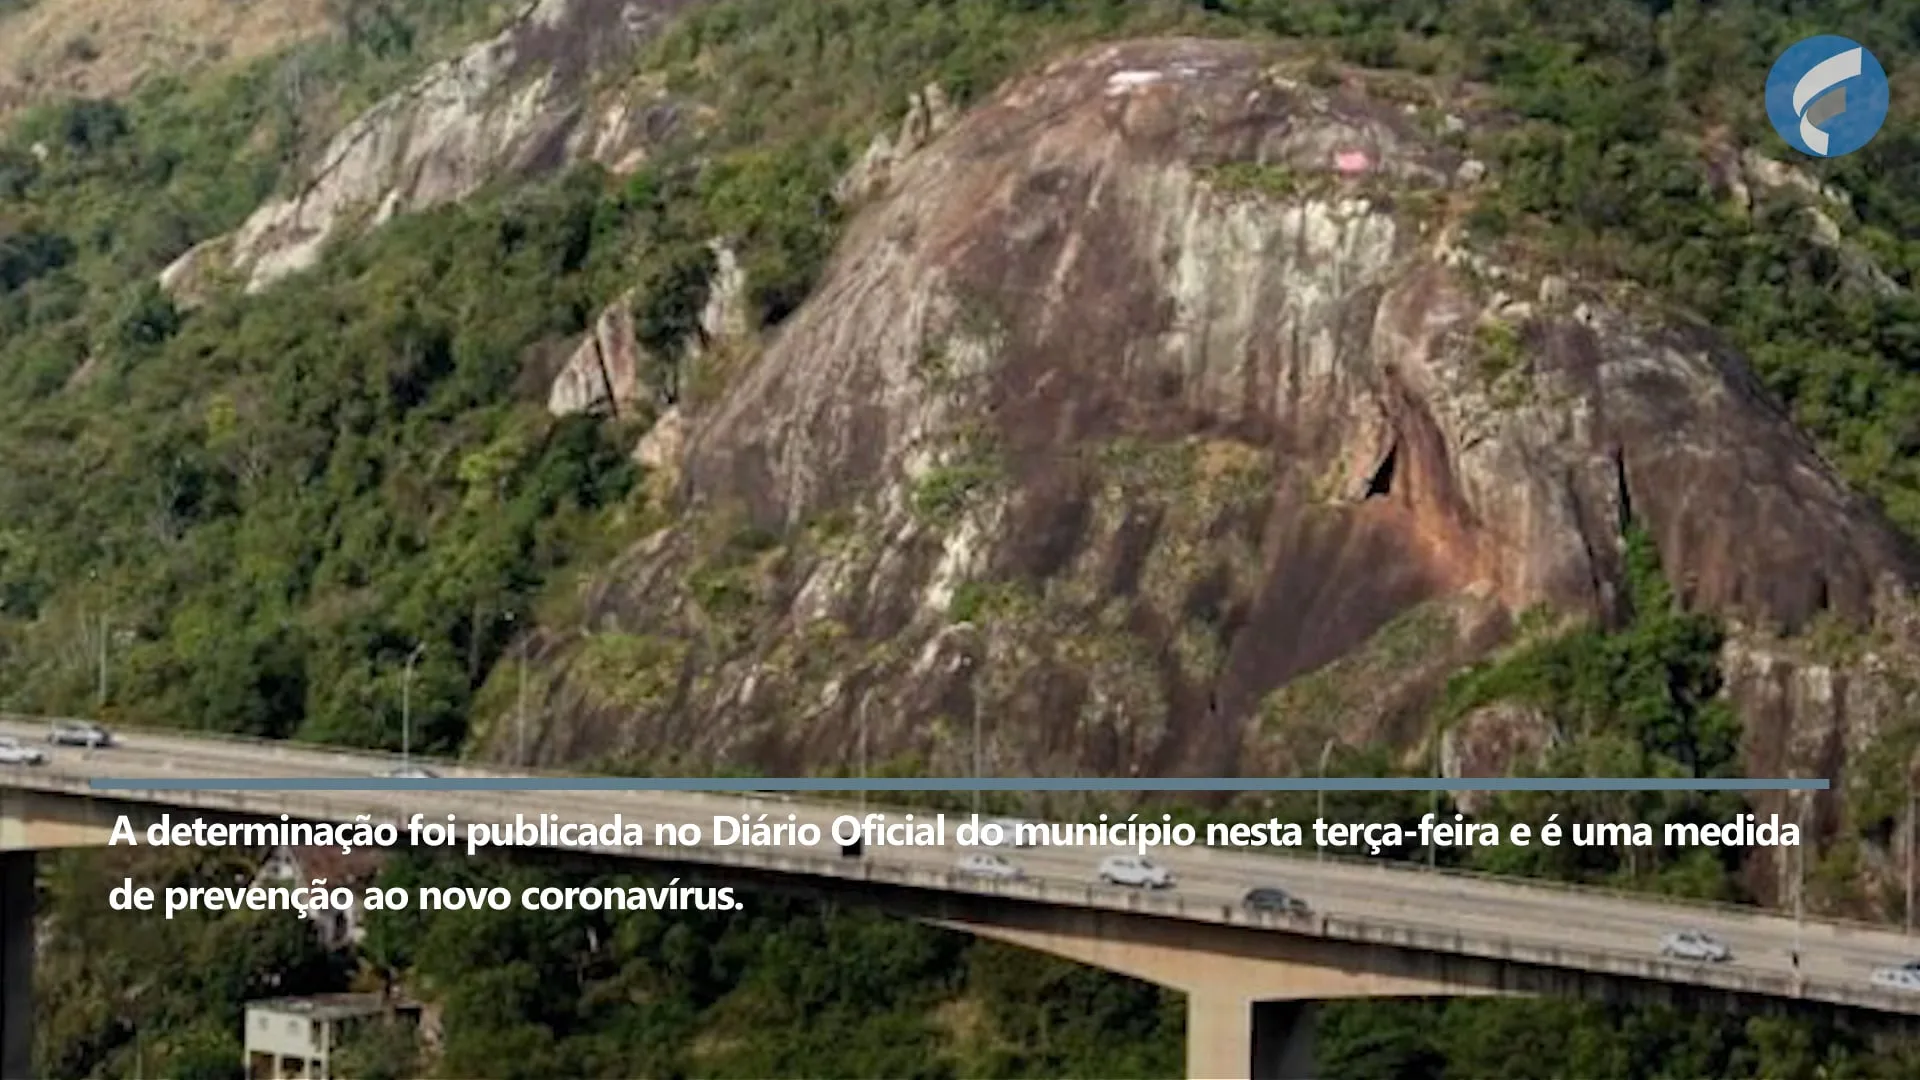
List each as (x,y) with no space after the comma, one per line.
(1620,483)
(1380,484)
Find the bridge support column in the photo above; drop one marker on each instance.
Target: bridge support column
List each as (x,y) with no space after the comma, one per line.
(1232,1038)
(1283,1040)
(1219,1037)
(16,964)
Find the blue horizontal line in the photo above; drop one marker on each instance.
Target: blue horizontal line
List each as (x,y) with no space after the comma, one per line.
(993,783)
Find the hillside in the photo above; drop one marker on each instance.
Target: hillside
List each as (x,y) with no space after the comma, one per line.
(52,49)
(1146,386)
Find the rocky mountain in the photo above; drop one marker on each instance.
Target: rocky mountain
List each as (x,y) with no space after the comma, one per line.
(1166,392)
(87,48)
(1160,417)
(534,98)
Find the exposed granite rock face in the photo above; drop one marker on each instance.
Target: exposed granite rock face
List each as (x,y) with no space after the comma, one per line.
(1761,170)
(607,372)
(660,448)
(1844,704)
(726,316)
(603,374)
(929,115)
(76,48)
(1491,741)
(523,103)
(1740,175)
(1155,385)
(1136,296)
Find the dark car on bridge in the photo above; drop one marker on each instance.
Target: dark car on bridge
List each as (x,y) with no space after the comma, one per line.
(1275,900)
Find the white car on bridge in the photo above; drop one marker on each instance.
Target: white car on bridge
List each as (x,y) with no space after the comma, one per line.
(988,865)
(1695,945)
(1135,870)
(1905,977)
(79,733)
(1011,834)
(15,752)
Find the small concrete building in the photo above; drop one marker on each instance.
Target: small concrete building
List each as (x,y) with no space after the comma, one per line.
(295,1038)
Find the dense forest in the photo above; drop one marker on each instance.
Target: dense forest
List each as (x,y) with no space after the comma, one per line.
(256,508)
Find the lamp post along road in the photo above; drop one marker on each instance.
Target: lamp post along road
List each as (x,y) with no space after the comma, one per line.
(1911,861)
(520,711)
(1800,888)
(1320,802)
(1432,857)
(976,751)
(100,695)
(862,711)
(406,707)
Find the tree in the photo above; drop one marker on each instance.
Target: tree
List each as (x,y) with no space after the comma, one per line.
(385,1049)
(147,318)
(206,1053)
(90,125)
(667,314)
(26,254)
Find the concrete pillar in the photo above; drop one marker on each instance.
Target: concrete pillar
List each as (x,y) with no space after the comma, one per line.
(1219,1037)
(16,965)
(1232,1038)
(1283,1040)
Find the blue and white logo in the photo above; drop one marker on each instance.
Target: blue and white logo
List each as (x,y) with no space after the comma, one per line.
(1827,96)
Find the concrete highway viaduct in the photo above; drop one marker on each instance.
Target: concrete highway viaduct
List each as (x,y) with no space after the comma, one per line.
(1251,979)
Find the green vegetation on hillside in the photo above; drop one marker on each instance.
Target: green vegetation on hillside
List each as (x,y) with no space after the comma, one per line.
(782,988)
(125,994)
(1387,1040)
(1642,700)
(317,480)
(785,987)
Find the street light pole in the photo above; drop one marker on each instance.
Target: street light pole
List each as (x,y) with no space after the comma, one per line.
(100,693)
(1320,804)
(976,752)
(520,711)
(1800,885)
(862,711)
(406,706)
(1910,831)
(1435,801)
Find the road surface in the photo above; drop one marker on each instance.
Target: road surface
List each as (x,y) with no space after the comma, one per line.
(1838,956)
